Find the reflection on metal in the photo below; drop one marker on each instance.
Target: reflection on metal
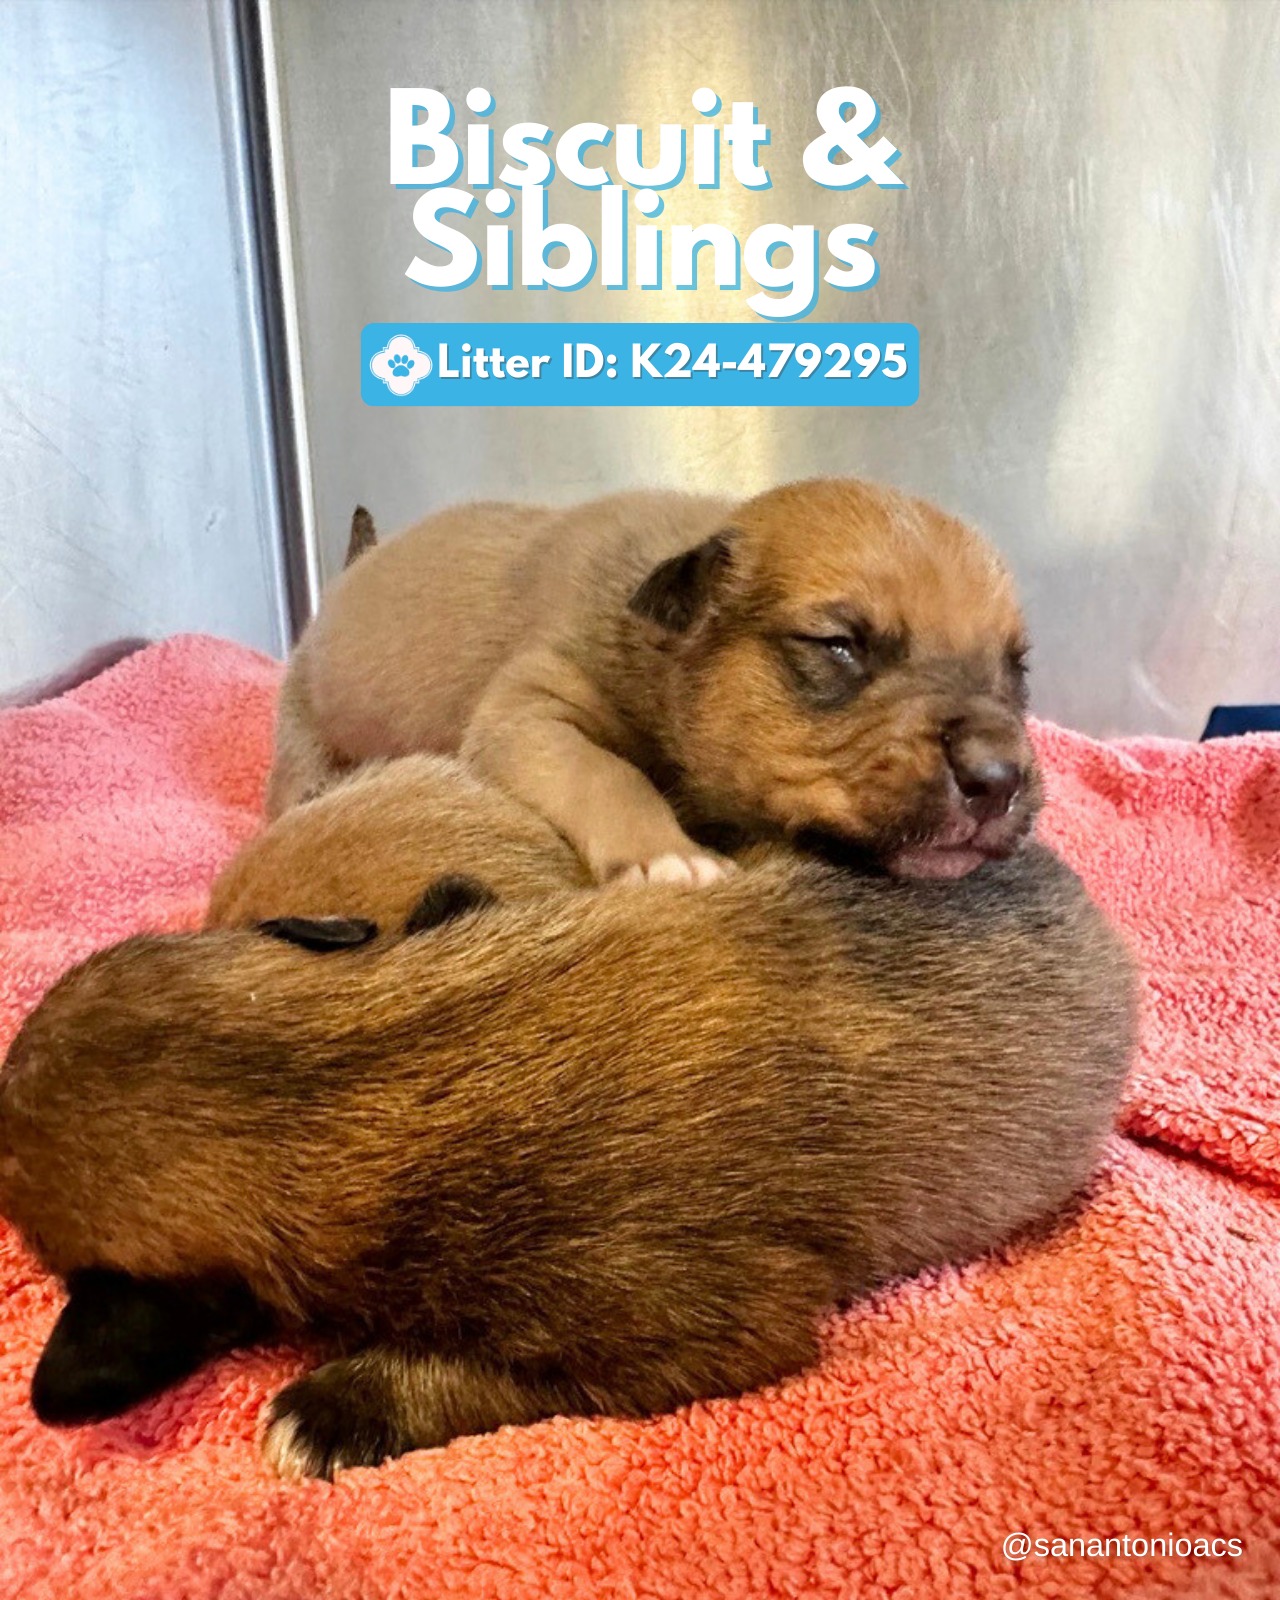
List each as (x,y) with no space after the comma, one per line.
(134,483)
(280,355)
(1088,245)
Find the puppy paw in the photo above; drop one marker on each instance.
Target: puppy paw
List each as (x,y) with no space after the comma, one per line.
(323,1423)
(689,872)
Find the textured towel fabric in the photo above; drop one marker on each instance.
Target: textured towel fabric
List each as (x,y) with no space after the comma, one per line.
(1119,1380)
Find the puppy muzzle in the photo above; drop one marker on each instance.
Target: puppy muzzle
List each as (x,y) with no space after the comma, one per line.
(987,812)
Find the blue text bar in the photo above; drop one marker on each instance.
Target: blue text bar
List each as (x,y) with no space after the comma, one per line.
(639,364)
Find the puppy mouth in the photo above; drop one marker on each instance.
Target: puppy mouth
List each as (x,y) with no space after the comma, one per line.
(961,846)
(952,851)
(941,862)
(939,840)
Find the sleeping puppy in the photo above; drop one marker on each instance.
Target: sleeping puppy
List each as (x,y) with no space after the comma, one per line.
(594,1153)
(830,659)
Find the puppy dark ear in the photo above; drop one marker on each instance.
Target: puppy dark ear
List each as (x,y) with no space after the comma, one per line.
(321,933)
(363,535)
(675,593)
(445,900)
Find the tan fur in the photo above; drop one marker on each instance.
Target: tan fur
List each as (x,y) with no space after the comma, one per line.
(509,632)
(367,846)
(593,1152)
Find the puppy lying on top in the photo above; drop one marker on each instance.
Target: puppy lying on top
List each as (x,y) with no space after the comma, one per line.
(575,1152)
(829,658)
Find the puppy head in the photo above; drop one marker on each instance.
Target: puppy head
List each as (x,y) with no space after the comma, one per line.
(852,666)
(364,848)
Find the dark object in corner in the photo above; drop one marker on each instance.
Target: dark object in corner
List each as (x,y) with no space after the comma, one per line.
(1227,721)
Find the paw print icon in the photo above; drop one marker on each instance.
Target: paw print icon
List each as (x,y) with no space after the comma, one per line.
(400,364)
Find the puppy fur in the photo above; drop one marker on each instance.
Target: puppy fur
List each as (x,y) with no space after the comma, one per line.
(830,658)
(366,846)
(598,1153)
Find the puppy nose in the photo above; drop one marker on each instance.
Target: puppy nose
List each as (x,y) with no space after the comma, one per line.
(988,780)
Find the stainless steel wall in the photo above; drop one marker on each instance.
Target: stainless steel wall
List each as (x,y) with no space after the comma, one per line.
(1089,244)
(134,489)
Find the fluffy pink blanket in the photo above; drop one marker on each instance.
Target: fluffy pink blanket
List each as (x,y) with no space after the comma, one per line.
(1113,1396)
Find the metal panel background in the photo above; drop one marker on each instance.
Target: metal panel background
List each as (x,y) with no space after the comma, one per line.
(134,484)
(1090,245)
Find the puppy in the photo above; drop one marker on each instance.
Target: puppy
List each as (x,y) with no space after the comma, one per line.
(598,1153)
(830,658)
(364,847)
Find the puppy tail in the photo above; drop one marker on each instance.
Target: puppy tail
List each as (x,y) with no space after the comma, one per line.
(363,535)
(121,1340)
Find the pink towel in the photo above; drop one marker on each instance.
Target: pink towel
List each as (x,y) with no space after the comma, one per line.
(1119,1383)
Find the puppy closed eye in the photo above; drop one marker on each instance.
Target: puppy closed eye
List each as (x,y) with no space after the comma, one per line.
(849,649)
(827,669)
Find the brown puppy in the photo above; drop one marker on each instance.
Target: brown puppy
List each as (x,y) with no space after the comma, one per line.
(830,657)
(599,1153)
(365,847)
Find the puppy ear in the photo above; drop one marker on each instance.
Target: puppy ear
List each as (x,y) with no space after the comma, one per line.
(363,535)
(675,593)
(447,899)
(321,933)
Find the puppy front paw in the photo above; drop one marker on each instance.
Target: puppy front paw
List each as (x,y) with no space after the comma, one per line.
(693,871)
(325,1422)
